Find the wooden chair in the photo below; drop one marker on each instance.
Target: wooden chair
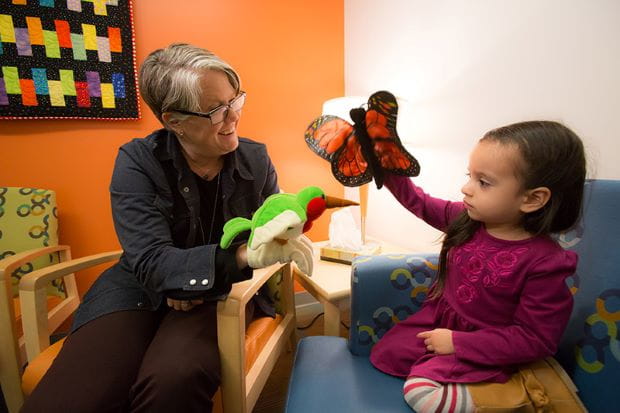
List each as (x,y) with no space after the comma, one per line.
(248,356)
(37,325)
(28,241)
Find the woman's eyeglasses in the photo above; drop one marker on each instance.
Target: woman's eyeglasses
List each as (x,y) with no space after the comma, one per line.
(220,113)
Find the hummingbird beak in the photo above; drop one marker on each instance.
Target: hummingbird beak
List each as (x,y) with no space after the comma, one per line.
(333,202)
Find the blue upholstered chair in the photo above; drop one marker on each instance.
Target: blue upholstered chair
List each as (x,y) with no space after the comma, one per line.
(331,374)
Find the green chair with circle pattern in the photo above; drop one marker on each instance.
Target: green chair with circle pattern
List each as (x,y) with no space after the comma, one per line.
(28,241)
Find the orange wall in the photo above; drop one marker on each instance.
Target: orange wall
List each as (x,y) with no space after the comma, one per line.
(290,55)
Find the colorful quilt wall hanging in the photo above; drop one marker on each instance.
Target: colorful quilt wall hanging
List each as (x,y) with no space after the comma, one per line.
(67,59)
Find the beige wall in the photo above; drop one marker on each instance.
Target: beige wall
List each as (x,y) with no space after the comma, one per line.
(464,67)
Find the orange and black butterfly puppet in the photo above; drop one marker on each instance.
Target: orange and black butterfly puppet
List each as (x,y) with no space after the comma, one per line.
(363,151)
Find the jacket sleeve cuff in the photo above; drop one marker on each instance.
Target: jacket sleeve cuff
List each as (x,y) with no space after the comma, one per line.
(226,273)
(226,264)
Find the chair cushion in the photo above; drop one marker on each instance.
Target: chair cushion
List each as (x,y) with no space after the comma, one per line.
(341,382)
(37,367)
(256,335)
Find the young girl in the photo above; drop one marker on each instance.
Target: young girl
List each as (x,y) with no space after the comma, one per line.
(500,298)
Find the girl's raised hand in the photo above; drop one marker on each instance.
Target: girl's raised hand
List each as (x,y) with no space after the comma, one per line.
(438,341)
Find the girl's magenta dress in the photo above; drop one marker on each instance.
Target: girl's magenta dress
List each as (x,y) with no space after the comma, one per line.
(507,303)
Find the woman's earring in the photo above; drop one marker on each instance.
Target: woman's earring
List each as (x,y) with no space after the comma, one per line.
(180,133)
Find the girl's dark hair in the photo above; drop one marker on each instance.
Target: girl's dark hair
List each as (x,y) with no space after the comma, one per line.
(552,156)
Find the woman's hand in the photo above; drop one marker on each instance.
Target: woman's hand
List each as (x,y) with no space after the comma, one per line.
(438,341)
(298,249)
(183,305)
(242,256)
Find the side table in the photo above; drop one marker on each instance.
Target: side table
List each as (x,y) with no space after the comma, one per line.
(330,284)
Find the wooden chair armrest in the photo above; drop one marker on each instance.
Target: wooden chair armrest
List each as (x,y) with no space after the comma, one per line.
(11,360)
(33,299)
(40,278)
(243,291)
(13,262)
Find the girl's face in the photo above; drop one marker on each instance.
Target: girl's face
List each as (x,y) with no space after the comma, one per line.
(494,194)
(201,135)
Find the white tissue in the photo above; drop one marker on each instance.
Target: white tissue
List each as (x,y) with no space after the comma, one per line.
(343,232)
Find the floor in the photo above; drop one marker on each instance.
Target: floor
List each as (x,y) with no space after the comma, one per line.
(273,397)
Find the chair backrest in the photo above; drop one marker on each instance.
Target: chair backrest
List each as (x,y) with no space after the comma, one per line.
(376,308)
(589,350)
(28,220)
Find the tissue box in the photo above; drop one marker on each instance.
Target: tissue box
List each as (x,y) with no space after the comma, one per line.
(329,253)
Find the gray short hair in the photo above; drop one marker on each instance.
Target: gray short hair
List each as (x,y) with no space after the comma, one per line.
(169,78)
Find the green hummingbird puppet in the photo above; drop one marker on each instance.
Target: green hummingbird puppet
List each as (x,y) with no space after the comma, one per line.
(277,227)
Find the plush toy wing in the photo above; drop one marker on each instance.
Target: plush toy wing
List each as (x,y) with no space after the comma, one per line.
(380,122)
(360,152)
(334,139)
(232,228)
(286,225)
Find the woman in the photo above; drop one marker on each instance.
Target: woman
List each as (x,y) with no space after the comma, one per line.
(145,337)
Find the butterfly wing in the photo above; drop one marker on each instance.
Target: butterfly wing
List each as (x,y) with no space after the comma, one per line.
(333,139)
(349,166)
(381,128)
(326,135)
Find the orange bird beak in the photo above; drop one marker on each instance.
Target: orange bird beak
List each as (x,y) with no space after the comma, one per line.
(333,202)
(316,207)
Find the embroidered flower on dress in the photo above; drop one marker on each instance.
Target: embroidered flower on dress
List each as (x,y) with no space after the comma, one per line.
(466,293)
(473,268)
(485,266)
(505,259)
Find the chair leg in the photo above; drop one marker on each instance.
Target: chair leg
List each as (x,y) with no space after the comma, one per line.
(292,342)
(11,388)
(10,370)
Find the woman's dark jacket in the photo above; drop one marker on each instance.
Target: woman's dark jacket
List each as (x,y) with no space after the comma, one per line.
(155,195)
